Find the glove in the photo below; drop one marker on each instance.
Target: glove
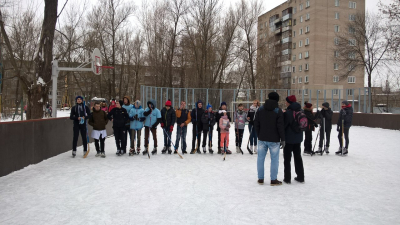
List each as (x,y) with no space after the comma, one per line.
(171,128)
(283,143)
(162,125)
(131,118)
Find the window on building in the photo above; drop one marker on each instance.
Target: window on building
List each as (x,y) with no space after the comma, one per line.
(294,69)
(352,55)
(301,31)
(350,92)
(336,28)
(300,43)
(352,42)
(301,7)
(352,17)
(335,91)
(307,3)
(294,45)
(352,5)
(306,55)
(49,92)
(336,15)
(337,3)
(336,54)
(300,68)
(307,16)
(293,80)
(307,67)
(351,79)
(301,19)
(336,40)
(300,80)
(351,67)
(305,91)
(352,30)
(294,33)
(294,10)
(307,41)
(307,29)
(294,58)
(335,66)
(306,79)
(335,79)
(58,102)
(300,56)
(58,93)
(294,22)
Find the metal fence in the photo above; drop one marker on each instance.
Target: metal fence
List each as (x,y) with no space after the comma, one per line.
(360,98)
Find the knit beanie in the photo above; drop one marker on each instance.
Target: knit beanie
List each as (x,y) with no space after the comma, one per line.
(325,104)
(291,99)
(168,103)
(223,103)
(273,96)
(308,105)
(209,106)
(78,97)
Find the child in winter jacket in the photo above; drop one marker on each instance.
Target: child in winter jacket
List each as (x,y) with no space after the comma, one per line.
(208,120)
(325,116)
(308,111)
(119,116)
(217,118)
(168,118)
(251,117)
(98,120)
(240,123)
(153,118)
(136,117)
(183,118)
(343,126)
(224,126)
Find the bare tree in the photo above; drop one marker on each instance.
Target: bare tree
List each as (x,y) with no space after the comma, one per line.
(392,12)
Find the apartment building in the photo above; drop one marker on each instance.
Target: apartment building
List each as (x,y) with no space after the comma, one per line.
(302,34)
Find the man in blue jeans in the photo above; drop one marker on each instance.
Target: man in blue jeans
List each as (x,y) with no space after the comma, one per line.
(269,126)
(182,119)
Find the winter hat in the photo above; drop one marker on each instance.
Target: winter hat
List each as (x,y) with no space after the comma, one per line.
(78,97)
(137,102)
(308,105)
(325,104)
(209,106)
(273,96)
(168,103)
(121,102)
(345,102)
(129,99)
(291,99)
(223,103)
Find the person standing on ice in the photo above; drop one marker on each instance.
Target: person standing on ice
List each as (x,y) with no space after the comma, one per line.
(269,125)
(224,125)
(79,114)
(168,118)
(196,115)
(98,120)
(240,123)
(217,118)
(136,117)
(208,120)
(308,111)
(250,117)
(183,118)
(112,105)
(153,118)
(345,114)
(119,116)
(127,106)
(326,127)
(293,141)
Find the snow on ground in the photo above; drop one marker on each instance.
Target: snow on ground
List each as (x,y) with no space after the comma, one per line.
(60,113)
(361,188)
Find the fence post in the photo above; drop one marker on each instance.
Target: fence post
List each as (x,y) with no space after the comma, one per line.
(369,100)
(173,96)
(339,101)
(151,92)
(179,103)
(365,102)
(193,98)
(359,100)
(207,98)
(186,94)
(332,101)
(161,96)
(261,94)
(302,98)
(248,94)
(317,98)
(220,96)
(309,96)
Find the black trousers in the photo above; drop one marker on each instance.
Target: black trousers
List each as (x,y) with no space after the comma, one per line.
(120,140)
(322,136)
(346,137)
(209,144)
(298,161)
(79,128)
(239,137)
(198,134)
(96,144)
(308,141)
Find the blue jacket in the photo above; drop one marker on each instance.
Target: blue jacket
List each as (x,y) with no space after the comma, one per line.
(154,116)
(138,118)
(292,137)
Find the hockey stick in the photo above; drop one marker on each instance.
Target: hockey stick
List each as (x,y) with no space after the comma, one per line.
(324,137)
(87,131)
(171,142)
(316,139)
(251,131)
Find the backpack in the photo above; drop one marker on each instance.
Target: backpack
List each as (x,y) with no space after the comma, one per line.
(300,122)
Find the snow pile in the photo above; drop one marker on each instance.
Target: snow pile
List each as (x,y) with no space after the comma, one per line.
(40,81)
(202,189)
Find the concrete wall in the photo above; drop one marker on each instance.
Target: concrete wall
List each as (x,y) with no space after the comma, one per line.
(385,121)
(30,142)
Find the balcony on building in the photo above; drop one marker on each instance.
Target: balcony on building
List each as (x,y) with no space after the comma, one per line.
(278,30)
(277,21)
(288,28)
(286,40)
(286,75)
(286,17)
(278,42)
(286,62)
(286,86)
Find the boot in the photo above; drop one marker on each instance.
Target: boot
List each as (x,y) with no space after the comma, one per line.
(131,152)
(154,152)
(260,181)
(210,150)
(138,150)
(164,150)
(327,150)
(219,151)
(198,151)
(276,182)
(73,153)
(345,151)
(228,152)
(98,154)
(169,150)
(119,152)
(319,151)
(237,149)
(146,149)
(204,150)
(339,152)
(193,151)
(103,155)
(255,149)
(299,180)
(176,151)
(184,152)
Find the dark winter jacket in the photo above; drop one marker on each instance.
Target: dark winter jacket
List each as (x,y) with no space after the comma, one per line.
(208,120)
(327,114)
(183,116)
(218,117)
(77,112)
(98,120)
(310,119)
(252,113)
(269,124)
(346,114)
(291,137)
(119,116)
(196,115)
(168,117)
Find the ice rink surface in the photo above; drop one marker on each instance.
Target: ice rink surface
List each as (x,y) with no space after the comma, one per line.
(362,188)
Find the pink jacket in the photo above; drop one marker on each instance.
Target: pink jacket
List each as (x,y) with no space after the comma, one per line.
(224,124)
